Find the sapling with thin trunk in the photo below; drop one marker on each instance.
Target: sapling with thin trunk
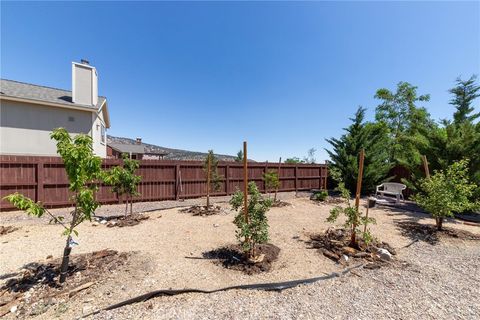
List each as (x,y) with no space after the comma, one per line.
(213,178)
(124,181)
(271,182)
(252,230)
(83,169)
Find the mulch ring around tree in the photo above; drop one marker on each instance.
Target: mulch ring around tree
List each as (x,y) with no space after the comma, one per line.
(430,234)
(232,257)
(121,221)
(329,200)
(7,229)
(36,287)
(334,244)
(202,210)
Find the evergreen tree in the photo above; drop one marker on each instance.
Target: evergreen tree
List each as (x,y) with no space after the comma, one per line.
(464,94)
(373,137)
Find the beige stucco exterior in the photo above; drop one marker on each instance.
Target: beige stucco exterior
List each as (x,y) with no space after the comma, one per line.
(25,127)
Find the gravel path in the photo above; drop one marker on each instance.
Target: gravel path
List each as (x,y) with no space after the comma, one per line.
(439,281)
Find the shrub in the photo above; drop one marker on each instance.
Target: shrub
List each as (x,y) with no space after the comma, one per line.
(272,182)
(83,169)
(354,218)
(320,195)
(253,229)
(446,192)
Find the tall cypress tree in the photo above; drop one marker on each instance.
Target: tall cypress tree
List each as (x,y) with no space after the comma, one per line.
(464,94)
(373,137)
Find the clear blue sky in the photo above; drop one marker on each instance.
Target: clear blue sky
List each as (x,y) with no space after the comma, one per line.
(284,76)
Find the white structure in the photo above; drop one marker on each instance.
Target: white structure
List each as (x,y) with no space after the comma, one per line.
(29,113)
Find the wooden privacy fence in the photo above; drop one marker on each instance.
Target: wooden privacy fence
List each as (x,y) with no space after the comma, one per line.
(44,179)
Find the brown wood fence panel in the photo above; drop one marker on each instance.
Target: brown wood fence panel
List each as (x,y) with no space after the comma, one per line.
(44,179)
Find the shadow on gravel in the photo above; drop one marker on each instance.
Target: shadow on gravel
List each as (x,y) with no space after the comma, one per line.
(428,233)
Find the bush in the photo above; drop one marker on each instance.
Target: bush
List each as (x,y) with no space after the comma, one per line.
(447,192)
(320,195)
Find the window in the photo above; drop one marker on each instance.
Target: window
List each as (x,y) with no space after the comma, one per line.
(102,132)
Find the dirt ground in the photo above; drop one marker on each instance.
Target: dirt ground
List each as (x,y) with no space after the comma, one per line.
(169,252)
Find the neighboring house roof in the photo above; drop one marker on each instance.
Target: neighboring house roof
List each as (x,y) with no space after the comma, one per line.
(133,148)
(39,94)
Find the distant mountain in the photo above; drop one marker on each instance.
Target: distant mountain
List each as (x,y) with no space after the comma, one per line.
(172,154)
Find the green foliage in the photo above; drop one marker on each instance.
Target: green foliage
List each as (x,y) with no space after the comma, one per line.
(320,195)
(23,203)
(447,191)
(123,179)
(404,120)
(255,230)
(239,157)
(215,178)
(354,219)
(272,182)
(293,160)
(373,138)
(464,94)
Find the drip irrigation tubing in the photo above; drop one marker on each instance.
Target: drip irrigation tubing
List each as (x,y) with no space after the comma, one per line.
(274,286)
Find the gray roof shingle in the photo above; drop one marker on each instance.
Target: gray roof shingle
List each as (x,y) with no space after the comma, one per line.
(23,90)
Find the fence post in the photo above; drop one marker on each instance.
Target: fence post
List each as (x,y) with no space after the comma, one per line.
(296,179)
(177,184)
(227,179)
(265,170)
(39,194)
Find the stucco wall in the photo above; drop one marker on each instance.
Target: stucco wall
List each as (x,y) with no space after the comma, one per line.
(99,147)
(25,128)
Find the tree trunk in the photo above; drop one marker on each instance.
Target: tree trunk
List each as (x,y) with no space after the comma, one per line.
(439,222)
(131,205)
(126,206)
(353,238)
(275,196)
(65,260)
(209,164)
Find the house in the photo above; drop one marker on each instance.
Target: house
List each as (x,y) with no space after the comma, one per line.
(136,151)
(29,113)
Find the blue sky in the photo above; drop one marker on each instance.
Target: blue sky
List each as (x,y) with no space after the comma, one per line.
(283,76)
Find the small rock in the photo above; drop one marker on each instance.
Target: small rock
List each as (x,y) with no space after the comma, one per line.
(384,254)
(49,256)
(87,309)
(361,254)
(94,224)
(13,309)
(216,225)
(103,221)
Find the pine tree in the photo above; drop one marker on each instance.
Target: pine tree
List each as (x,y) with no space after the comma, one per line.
(373,137)
(464,94)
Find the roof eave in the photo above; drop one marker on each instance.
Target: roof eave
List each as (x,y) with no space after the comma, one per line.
(45,103)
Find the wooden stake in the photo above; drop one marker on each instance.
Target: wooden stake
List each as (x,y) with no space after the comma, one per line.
(278,175)
(353,240)
(425,166)
(245,182)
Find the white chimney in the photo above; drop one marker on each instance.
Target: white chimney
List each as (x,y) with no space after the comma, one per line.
(84,83)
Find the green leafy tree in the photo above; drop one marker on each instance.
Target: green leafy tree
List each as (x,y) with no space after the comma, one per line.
(83,169)
(464,94)
(124,181)
(405,121)
(239,157)
(252,230)
(373,138)
(272,182)
(354,218)
(213,178)
(447,192)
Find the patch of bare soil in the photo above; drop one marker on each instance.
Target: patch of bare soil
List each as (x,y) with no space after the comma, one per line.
(232,257)
(126,221)
(429,233)
(280,203)
(37,286)
(334,244)
(197,210)
(7,229)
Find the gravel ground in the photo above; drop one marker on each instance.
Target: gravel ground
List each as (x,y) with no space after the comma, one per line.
(438,281)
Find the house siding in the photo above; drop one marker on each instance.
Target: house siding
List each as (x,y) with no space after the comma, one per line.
(25,128)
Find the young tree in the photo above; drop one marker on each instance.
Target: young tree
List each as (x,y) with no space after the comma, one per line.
(254,230)
(213,178)
(272,182)
(373,137)
(354,219)
(239,157)
(124,181)
(447,192)
(83,169)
